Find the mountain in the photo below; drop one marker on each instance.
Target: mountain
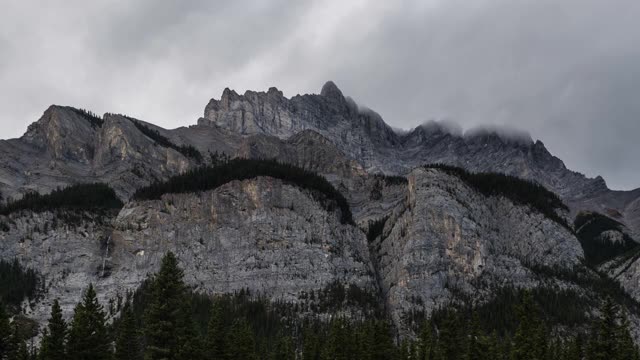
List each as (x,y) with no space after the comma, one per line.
(362,135)
(406,237)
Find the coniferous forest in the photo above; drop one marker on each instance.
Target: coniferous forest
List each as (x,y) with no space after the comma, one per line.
(516,189)
(164,319)
(210,177)
(76,197)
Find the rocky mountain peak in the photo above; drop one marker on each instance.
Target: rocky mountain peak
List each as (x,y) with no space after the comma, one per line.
(330,90)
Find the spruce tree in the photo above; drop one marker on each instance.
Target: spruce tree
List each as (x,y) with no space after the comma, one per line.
(477,343)
(625,348)
(383,347)
(127,339)
(53,340)
(17,345)
(284,348)
(88,337)
(164,311)
(530,341)
(190,344)
(450,341)
(241,342)
(603,343)
(5,332)
(426,342)
(215,348)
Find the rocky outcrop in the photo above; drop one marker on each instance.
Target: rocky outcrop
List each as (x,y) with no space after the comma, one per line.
(67,146)
(261,235)
(363,136)
(447,240)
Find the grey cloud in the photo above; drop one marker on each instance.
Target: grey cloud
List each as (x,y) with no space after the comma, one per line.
(568,72)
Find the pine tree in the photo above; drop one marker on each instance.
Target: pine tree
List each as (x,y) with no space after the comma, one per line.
(574,349)
(383,347)
(311,345)
(165,310)
(625,347)
(603,343)
(88,337)
(241,342)
(477,344)
(284,349)
(53,340)
(215,348)
(426,342)
(17,345)
(127,339)
(530,341)
(190,345)
(450,340)
(5,332)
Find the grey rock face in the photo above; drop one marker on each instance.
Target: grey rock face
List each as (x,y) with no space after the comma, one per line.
(447,239)
(261,235)
(441,239)
(64,148)
(362,135)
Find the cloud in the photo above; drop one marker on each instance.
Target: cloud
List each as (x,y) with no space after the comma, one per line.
(566,71)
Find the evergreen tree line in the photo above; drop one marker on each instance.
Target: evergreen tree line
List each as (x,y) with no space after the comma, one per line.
(162,322)
(186,150)
(375,228)
(17,283)
(391,179)
(516,189)
(95,120)
(589,226)
(77,197)
(211,177)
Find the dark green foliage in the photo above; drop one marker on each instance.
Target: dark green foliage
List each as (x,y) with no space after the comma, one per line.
(517,325)
(17,345)
(519,191)
(375,228)
(88,338)
(165,311)
(215,341)
(455,334)
(94,119)
(17,283)
(186,150)
(610,339)
(5,332)
(589,226)
(211,177)
(391,179)
(77,197)
(54,339)
(337,296)
(241,344)
(127,339)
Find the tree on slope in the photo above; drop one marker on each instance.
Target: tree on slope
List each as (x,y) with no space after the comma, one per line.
(127,339)
(88,336)
(53,340)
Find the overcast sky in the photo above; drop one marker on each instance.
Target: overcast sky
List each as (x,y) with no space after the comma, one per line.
(567,71)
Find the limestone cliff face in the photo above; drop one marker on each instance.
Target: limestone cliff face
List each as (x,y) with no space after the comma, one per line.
(262,235)
(363,136)
(67,146)
(66,248)
(447,240)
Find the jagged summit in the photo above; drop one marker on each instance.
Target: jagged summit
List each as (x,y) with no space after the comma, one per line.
(263,123)
(330,90)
